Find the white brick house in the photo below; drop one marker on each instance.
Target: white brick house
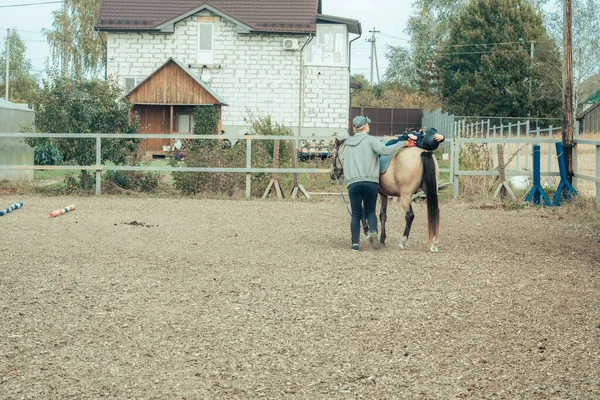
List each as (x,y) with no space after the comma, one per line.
(266,56)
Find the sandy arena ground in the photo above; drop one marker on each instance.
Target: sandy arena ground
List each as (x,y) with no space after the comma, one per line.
(205,299)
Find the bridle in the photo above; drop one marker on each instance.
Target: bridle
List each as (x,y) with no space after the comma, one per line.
(338,173)
(338,168)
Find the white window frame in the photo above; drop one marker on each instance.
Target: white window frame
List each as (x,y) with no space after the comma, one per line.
(136,81)
(190,123)
(206,57)
(329,47)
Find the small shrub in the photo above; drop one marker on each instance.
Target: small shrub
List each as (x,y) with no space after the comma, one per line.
(475,157)
(46,154)
(71,184)
(210,153)
(134,180)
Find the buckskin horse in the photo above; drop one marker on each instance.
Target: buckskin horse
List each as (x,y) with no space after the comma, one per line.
(408,170)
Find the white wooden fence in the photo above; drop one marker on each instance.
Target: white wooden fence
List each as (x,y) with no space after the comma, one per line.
(517,139)
(98,167)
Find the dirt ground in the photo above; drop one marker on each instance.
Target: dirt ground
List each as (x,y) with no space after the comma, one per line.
(205,299)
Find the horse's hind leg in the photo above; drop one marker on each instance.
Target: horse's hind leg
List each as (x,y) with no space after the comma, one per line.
(365,223)
(383,217)
(406,201)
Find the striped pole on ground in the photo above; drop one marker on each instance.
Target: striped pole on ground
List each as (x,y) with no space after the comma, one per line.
(62,211)
(10,208)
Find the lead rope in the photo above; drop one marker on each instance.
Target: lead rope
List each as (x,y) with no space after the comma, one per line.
(337,181)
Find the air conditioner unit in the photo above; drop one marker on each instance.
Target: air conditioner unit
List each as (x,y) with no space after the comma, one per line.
(290,44)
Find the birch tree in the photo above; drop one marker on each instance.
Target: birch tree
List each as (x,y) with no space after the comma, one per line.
(77,49)
(22,81)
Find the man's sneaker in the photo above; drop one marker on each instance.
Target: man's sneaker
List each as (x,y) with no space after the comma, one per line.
(374,240)
(355,247)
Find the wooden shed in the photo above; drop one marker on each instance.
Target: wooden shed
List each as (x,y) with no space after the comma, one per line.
(589,120)
(165,102)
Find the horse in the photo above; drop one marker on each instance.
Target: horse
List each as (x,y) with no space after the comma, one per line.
(409,170)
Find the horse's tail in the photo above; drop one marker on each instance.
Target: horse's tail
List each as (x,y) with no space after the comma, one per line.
(430,186)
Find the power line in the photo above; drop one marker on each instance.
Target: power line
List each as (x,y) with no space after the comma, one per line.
(31,4)
(21,30)
(480,44)
(486,52)
(28,41)
(395,37)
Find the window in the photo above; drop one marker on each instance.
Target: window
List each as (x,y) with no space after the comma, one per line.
(130,83)
(329,46)
(185,123)
(205,42)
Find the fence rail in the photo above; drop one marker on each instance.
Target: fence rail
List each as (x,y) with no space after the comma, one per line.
(458,134)
(518,137)
(98,167)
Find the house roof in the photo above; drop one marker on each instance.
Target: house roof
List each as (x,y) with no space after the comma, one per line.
(281,16)
(588,110)
(155,90)
(588,88)
(353,25)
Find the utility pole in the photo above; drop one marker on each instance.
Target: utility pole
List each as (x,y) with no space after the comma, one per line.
(531,74)
(372,40)
(7,63)
(567,126)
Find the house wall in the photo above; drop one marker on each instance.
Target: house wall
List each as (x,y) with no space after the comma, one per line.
(251,72)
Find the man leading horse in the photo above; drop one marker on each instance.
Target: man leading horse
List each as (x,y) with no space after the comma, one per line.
(357,158)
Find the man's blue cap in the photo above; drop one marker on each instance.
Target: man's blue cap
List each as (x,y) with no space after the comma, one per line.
(360,120)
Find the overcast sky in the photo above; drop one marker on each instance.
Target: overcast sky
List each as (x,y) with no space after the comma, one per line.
(387,16)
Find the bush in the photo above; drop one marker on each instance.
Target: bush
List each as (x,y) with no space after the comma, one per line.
(475,157)
(134,180)
(210,153)
(46,154)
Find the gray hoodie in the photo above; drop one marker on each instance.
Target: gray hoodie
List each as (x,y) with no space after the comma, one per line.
(360,157)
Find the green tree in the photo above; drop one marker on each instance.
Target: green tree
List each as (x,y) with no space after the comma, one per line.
(70,105)
(485,66)
(79,49)
(429,27)
(388,95)
(401,67)
(22,82)
(586,36)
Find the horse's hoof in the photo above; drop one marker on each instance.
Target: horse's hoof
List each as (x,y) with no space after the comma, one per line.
(402,244)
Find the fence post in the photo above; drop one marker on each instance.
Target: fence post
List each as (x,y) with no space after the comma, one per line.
(455,161)
(98,164)
(550,132)
(527,146)
(518,153)
(598,173)
(248,165)
(452,137)
(508,146)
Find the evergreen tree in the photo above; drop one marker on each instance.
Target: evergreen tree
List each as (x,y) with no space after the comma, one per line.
(485,65)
